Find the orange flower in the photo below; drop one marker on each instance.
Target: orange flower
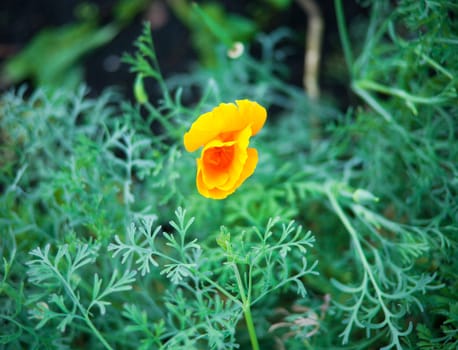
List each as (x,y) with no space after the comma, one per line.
(224,133)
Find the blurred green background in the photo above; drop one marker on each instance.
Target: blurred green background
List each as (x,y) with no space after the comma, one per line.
(64,43)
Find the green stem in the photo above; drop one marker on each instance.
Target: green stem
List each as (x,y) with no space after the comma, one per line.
(168,126)
(372,85)
(246,310)
(202,276)
(97,333)
(83,311)
(343,34)
(434,64)
(372,102)
(359,249)
(250,326)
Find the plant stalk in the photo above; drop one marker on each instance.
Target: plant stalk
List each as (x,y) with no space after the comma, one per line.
(250,326)
(246,310)
(83,311)
(359,249)
(343,34)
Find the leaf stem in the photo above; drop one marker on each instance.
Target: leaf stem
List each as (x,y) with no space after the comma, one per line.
(203,276)
(250,326)
(371,101)
(80,307)
(354,235)
(372,85)
(343,34)
(366,266)
(246,309)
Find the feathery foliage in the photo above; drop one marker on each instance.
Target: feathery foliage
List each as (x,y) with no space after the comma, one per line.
(106,244)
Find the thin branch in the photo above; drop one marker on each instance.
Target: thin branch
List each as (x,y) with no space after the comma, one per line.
(313,41)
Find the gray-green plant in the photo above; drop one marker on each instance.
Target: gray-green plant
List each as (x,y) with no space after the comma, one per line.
(345,241)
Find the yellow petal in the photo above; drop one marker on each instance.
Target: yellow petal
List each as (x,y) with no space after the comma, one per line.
(224,120)
(253,113)
(250,166)
(208,126)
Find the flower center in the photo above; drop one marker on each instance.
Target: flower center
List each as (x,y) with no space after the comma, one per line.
(219,157)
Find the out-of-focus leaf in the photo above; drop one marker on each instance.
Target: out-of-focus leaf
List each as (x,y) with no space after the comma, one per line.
(51,58)
(125,10)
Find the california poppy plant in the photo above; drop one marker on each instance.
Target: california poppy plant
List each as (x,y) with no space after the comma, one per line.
(224,133)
